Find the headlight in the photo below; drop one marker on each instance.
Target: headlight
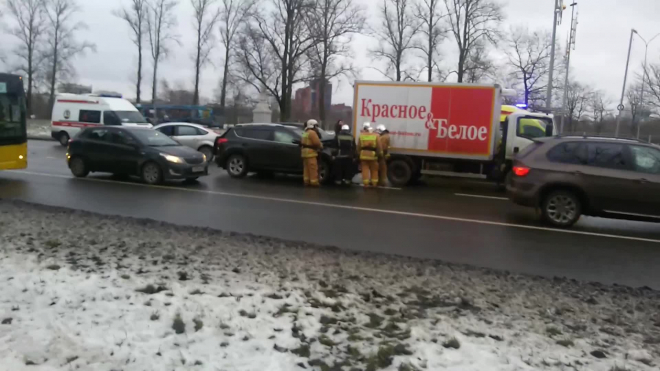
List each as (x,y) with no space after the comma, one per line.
(174,159)
(204,156)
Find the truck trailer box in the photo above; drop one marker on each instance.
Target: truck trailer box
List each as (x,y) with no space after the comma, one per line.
(441,120)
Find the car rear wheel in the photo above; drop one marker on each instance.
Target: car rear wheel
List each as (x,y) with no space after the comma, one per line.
(237,166)
(151,173)
(63,139)
(561,208)
(78,167)
(208,152)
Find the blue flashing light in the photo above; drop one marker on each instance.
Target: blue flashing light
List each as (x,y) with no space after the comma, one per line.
(521,105)
(107,95)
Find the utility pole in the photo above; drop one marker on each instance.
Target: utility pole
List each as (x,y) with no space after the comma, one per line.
(557,10)
(620,107)
(569,46)
(644,76)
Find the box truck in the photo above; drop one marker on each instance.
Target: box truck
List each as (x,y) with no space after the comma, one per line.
(447,129)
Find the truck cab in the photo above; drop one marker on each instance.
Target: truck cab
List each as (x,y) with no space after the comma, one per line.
(519,128)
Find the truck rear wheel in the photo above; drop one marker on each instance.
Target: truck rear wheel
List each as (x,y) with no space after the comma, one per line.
(399,172)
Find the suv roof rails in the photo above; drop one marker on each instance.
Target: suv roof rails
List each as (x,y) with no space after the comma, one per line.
(595,136)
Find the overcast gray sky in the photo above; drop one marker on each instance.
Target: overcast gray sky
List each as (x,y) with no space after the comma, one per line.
(599,58)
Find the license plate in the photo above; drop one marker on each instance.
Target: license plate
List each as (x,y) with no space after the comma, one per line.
(198,169)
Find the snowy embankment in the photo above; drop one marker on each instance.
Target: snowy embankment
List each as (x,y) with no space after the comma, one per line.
(89,292)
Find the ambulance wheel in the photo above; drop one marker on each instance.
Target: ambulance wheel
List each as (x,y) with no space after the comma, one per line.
(399,172)
(63,138)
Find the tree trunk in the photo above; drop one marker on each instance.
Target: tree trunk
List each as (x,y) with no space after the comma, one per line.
(153,89)
(321,94)
(53,77)
(196,93)
(285,68)
(30,73)
(198,63)
(223,93)
(429,61)
(139,74)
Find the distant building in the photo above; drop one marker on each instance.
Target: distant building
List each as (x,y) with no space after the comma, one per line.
(307,99)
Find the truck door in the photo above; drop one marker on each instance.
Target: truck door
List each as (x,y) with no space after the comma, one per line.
(522,129)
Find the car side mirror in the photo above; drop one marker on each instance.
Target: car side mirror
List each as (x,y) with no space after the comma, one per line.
(296,141)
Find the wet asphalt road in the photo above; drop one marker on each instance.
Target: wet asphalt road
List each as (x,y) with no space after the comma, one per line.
(457,221)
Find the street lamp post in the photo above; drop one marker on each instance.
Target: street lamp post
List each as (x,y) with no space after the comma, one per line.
(644,74)
(548,98)
(620,107)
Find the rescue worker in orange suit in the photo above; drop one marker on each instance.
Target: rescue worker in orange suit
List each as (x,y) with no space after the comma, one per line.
(369,149)
(382,160)
(311,145)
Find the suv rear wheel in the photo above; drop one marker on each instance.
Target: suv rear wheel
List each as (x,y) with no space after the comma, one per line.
(237,166)
(561,208)
(325,172)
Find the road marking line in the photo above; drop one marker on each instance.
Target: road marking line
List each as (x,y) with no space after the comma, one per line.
(382,187)
(481,196)
(55,158)
(358,208)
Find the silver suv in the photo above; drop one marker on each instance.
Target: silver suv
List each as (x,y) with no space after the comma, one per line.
(569,176)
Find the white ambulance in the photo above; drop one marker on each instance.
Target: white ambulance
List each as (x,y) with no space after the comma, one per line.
(72,112)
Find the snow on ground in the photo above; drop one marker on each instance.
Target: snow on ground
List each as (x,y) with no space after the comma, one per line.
(80,291)
(38,129)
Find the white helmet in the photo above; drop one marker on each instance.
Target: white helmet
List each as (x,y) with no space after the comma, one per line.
(345,127)
(366,126)
(380,128)
(311,123)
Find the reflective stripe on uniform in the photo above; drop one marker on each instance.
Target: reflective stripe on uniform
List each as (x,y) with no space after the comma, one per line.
(368,140)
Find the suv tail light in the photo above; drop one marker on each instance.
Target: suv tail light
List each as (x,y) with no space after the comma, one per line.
(520,170)
(219,141)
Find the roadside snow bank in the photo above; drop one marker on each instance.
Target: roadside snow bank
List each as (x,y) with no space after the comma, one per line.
(90,292)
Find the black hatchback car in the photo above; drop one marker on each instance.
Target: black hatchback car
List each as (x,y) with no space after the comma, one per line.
(269,148)
(143,152)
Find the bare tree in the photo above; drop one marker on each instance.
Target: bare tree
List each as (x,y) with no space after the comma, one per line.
(478,65)
(472,22)
(136,17)
(599,104)
(274,50)
(395,33)
(206,17)
(30,25)
(634,100)
(160,24)
(233,15)
(652,79)
(61,42)
(529,56)
(430,16)
(577,103)
(332,24)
